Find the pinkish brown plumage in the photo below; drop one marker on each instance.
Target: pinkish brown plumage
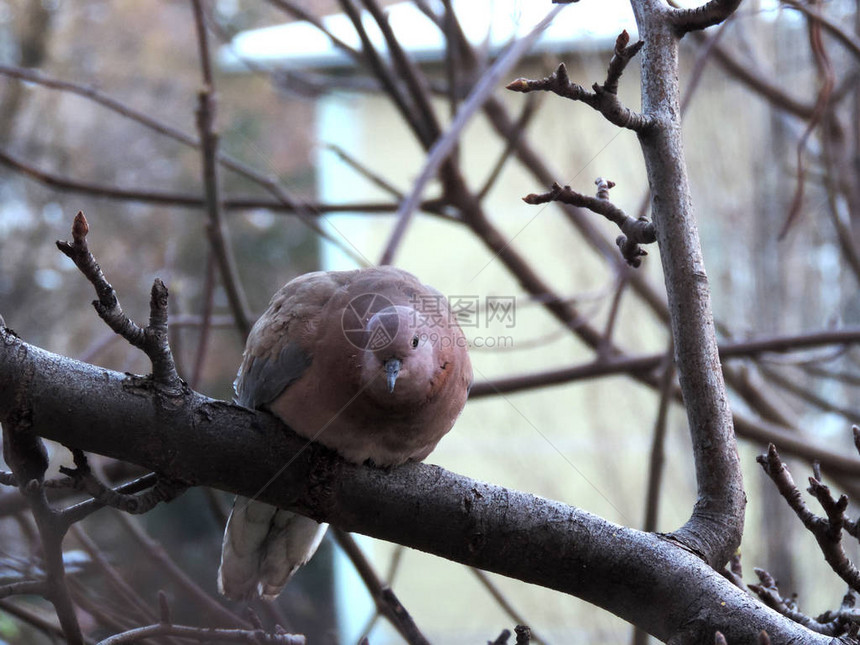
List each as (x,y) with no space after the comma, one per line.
(370,363)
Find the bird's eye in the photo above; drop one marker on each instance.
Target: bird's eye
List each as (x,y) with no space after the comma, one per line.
(414,342)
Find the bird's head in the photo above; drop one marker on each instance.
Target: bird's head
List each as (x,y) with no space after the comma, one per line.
(400,360)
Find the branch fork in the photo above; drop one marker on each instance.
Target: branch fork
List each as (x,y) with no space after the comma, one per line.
(604,98)
(634,231)
(826,530)
(152,339)
(82,478)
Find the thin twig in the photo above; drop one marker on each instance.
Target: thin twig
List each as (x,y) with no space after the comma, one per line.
(807,395)
(157,555)
(445,144)
(768,592)
(622,281)
(827,531)
(188,200)
(828,75)
(707,15)
(635,231)
(114,579)
(36,619)
(655,463)
(604,98)
(386,602)
(511,140)
(84,509)
(833,28)
(364,171)
(416,82)
(390,83)
(152,339)
(204,635)
(758,80)
(646,363)
(206,321)
(82,478)
(503,602)
(216,228)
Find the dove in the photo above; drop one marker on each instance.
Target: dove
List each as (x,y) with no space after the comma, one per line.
(370,363)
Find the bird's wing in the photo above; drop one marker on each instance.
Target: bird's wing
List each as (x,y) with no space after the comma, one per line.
(263,378)
(279,349)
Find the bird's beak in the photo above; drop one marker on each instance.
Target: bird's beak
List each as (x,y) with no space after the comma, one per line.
(392,370)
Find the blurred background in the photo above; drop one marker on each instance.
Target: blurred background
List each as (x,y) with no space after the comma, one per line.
(94,96)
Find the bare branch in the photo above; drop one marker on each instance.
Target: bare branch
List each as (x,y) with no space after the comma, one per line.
(707,15)
(364,171)
(27,456)
(188,200)
(757,80)
(655,465)
(79,511)
(473,522)
(216,229)
(636,232)
(383,596)
(157,555)
(604,99)
(132,598)
(24,588)
(204,635)
(828,75)
(646,363)
(827,531)
(511,140)
(716,524)
(769,594)
(444,145)
(82,478)
(152,339)
(833,28)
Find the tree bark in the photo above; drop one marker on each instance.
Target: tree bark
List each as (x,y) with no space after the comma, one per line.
(716,525)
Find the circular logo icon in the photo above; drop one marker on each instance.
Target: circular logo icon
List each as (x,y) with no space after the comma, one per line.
(358,313)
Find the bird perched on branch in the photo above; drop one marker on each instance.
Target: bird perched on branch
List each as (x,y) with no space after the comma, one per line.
(370,363)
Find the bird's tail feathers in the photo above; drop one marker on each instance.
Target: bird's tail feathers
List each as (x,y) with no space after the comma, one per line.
(263,547)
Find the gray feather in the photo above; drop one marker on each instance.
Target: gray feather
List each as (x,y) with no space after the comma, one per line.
(261,380)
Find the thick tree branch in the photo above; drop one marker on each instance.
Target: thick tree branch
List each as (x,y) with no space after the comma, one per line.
(214,443)
(716,524)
